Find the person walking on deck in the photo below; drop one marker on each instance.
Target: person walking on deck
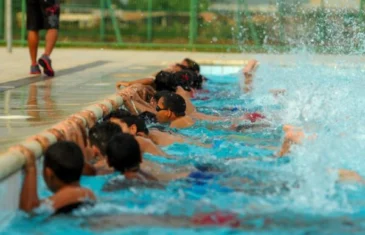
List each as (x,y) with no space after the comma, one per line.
(42,14)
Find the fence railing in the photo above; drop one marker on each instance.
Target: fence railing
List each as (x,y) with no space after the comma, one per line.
(239,25)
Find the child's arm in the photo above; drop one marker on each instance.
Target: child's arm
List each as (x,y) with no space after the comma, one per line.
(29,195)
(147,146)
(143,81)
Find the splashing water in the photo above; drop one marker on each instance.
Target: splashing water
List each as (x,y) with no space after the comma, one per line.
(326,101)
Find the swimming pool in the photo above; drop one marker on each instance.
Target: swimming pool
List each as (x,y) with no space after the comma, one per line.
(292,195)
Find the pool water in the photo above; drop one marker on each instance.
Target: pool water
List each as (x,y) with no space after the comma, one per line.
(293,195)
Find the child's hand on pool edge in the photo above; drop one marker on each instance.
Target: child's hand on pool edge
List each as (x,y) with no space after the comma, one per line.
(29,155)
(120,84)
(42,141)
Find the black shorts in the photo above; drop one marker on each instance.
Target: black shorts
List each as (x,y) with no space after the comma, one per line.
(43,14)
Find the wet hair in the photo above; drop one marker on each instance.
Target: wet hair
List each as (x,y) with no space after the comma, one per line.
(185,79)
(100,135)
(159,94)
(183,67)
(119,113)
(123,152)
(148,117)
(164,81)
(198,82)
(192,65)
(66,161)
(140,124)
(175,103)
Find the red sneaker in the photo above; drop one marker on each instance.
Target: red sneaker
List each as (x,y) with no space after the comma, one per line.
(46,63)
(34,69)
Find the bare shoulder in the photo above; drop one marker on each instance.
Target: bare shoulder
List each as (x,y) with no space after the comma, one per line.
(71,195)
(142,140)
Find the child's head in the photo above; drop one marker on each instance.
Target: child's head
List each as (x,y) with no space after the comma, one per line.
(132,125)
(191,64)
(119,113)
(63,164)
(164,81)
(185,79)
(157,96)
(170,106)
(123,153)
(100,135)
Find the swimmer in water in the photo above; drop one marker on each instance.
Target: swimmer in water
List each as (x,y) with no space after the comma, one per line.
(295,135)
(182,84)
(248,73)
(99,137)
(171,109)
(124,155)
(135,126)
(158,137)
(63,164)
(185,65)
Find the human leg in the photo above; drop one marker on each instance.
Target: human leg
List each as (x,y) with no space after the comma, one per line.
(33,40)
(51,14)
(51,39)
(34,24)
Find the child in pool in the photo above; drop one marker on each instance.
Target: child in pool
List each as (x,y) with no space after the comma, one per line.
(181,83)
(295,135)
(133,125)
(171,109)
(99,137)
(124,155)
(63,164)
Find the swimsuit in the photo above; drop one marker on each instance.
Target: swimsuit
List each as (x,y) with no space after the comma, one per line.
(217,218)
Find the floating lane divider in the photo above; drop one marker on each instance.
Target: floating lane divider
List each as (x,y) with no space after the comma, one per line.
(14,159)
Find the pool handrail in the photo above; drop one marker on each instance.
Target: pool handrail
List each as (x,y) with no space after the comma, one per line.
(13,160)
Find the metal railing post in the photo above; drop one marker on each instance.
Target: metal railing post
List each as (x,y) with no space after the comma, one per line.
(238,15)
(361,11)
(322,22)
(102,20)
(281,21)
(2,20)
(149,21)
(114,22)
(193,21)
(250,24)
(24,28)
(9,26)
